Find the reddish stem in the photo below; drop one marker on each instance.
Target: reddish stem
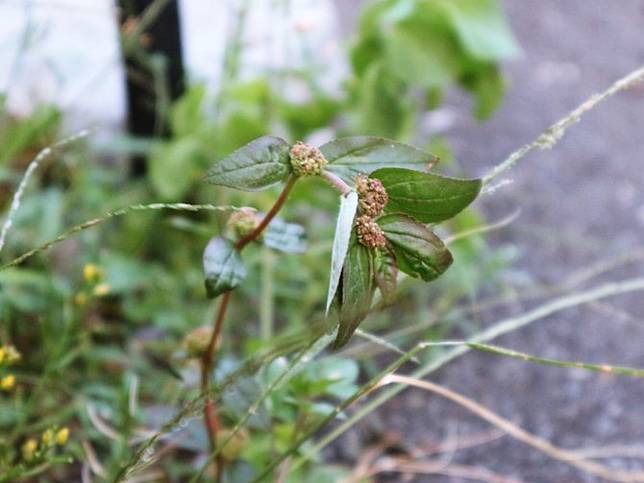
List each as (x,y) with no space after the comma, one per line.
(269,216)
(210,416)
(207,361)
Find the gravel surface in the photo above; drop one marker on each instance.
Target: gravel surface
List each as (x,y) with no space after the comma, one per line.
(580,202)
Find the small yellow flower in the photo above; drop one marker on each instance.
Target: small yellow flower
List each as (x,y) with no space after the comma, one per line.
(102,289)
(80,299)
(92,273)
(62,436)
(29,449)
(8,355)
(48,437)
(7,382)
(12,354)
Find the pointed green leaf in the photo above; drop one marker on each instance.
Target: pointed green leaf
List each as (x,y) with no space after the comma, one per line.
(285,237)
(343,227)
(351,156)
(428,197)
(419,253)
(356,292)
(258,165)
(223,267)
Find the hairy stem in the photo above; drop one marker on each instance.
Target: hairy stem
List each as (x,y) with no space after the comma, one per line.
(336,182)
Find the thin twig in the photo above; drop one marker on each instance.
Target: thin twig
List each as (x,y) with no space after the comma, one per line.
(33,166)
(479,230)
(112,214)
(516,432)
(503,327)
(555,132)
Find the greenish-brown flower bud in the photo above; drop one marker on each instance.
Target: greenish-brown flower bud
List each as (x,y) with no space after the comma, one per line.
(372,195)
(369,233)
(196,341)
(307,160)
(243,221)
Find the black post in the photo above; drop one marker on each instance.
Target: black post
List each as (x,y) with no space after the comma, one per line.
(151,47)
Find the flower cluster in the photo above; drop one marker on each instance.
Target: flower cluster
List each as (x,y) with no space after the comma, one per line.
(243,222)
(372,199)
(8,356)
(93,277)
(33,451)
(369,233)
(306,160)
(372,196)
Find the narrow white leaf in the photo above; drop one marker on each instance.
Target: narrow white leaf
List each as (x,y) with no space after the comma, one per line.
(348,207)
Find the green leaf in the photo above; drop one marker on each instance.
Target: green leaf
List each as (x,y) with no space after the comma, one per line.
(488,88)
(386,274)
(285,237)
(383,106)
(343,228)
(258,165)
(351,156)
(421,57)
(304,118)
(419,253)
(186,116)
(428,197)
(356,291)
(174,166)
(223,267)
(481,28)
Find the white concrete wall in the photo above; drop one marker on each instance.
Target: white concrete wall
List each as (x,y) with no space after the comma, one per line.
(66,51)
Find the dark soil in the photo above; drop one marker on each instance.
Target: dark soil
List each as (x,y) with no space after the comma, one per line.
(580,202)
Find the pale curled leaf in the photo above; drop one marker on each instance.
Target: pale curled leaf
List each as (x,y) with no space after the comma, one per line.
(255,166)
(343,228)
(351,156)
(223,267)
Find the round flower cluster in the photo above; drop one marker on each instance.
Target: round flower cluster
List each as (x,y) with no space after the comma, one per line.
(243,221)
(372,199)
(369,233)
(307,160)
(372,195)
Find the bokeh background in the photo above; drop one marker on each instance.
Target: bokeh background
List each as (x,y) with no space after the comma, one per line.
(579,204)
